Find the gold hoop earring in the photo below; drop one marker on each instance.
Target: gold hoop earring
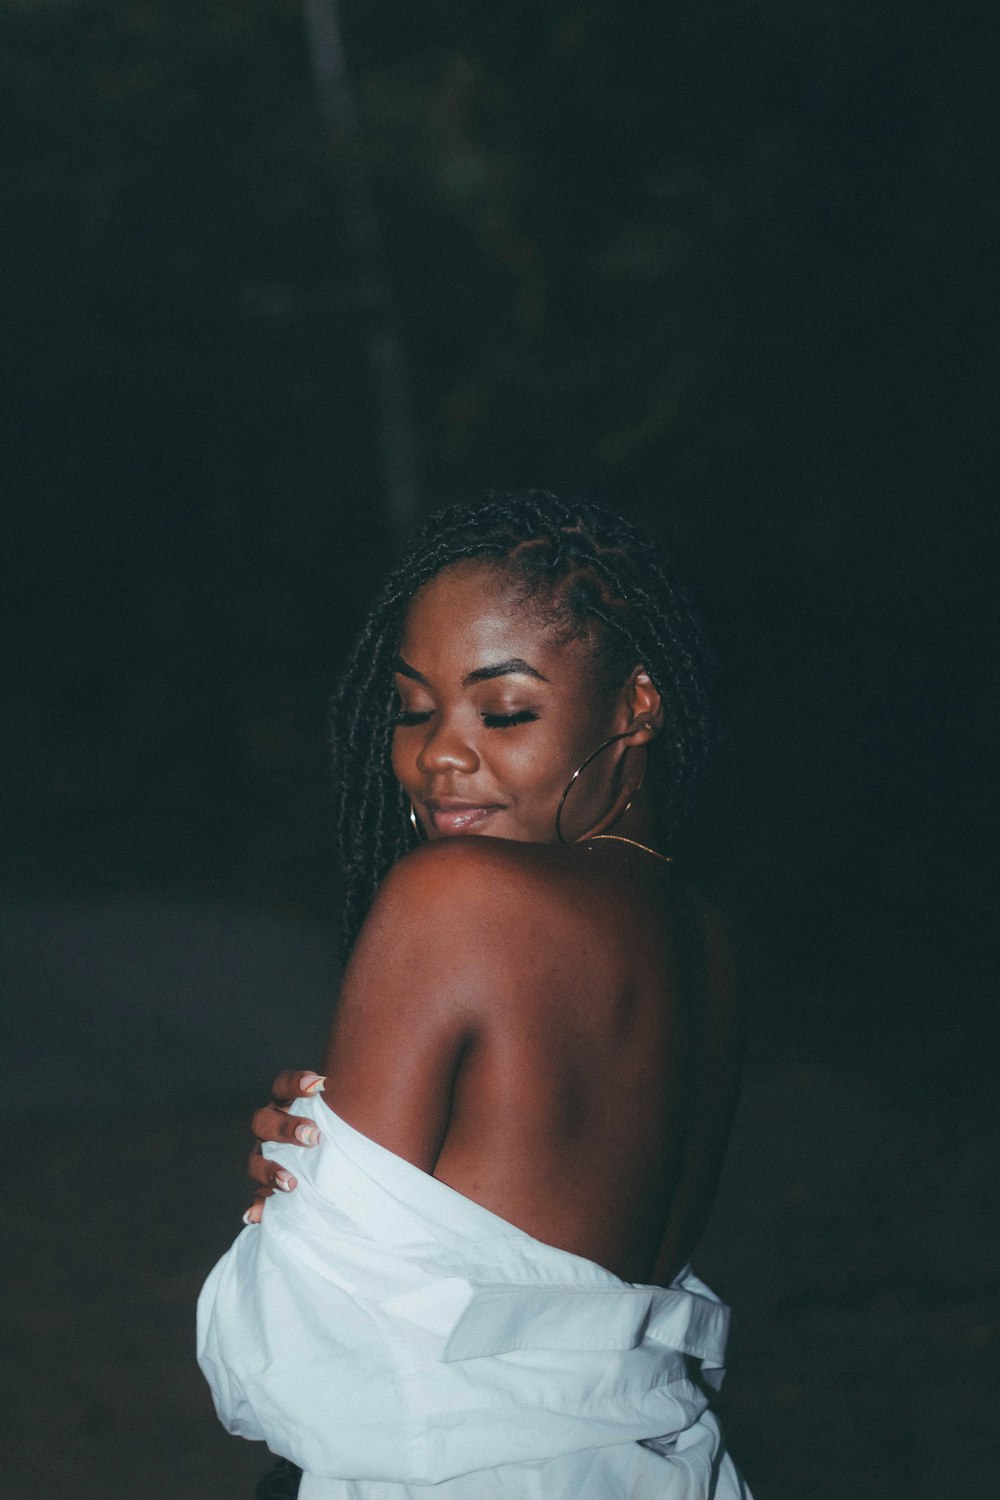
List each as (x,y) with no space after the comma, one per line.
(625,734)
(414,823)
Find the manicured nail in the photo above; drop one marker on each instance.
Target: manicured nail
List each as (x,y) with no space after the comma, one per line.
(285,1181)
(307,1135)
(248,1217)
(312,1083)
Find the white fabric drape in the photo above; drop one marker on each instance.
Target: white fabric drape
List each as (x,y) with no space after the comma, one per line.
(396,1339)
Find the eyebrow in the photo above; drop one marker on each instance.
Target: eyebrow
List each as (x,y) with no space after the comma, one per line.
(513,665)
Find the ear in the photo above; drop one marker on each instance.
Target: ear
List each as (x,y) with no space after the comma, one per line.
(643,704)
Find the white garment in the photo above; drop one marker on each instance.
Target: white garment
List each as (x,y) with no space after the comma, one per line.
(395,1339)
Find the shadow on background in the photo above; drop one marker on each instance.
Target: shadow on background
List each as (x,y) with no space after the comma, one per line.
(729,267)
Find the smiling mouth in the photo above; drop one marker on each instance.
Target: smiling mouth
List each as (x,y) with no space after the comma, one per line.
(449,816)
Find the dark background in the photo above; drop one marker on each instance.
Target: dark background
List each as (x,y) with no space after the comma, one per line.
(728,265)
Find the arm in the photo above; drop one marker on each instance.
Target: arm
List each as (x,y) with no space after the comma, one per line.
(433,957)
(411,996)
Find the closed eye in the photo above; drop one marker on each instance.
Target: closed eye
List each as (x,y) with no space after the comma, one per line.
(507,721)
(410,716)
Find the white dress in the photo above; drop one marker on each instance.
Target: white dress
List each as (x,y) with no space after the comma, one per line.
(396,1340)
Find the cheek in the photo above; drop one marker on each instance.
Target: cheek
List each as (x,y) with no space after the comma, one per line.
(536,768)
(571,754)
(402,760)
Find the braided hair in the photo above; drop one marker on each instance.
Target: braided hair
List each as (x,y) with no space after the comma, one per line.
(597,579)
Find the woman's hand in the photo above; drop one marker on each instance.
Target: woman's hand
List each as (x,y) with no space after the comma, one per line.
(274,1123)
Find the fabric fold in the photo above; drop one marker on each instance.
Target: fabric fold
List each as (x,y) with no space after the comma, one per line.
(391,1336)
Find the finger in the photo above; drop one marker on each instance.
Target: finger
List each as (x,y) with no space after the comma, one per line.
(269,1175)
(296,1085)
(255,1212)
(271,1124)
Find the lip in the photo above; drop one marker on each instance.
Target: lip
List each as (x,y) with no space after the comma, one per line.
(450,815)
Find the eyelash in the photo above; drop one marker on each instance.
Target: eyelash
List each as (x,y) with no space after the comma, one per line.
(507,721)
(407,718)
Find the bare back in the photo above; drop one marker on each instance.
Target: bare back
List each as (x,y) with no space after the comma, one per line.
(553,1032)
(592,1108)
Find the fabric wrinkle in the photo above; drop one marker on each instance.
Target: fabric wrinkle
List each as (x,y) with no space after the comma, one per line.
(393,1338)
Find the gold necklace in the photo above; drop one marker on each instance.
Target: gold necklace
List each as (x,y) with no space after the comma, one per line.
(620,838)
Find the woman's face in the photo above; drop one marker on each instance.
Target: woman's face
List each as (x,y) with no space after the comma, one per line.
(497,713)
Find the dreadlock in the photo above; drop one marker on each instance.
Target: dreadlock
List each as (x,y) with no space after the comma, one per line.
(597,578)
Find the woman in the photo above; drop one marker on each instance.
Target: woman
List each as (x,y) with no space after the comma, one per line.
(478,1286)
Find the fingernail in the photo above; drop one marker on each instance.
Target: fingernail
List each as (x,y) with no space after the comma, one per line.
(307,1135)
(248,1217)
(285,1181)
(312,1083)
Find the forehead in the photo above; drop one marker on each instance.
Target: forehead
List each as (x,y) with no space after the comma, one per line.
(472,614)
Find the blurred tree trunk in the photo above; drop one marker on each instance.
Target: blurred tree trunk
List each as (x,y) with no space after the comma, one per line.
(396,441)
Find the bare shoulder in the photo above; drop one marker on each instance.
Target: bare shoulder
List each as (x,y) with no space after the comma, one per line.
(466,874)
(443,904)
(493,911)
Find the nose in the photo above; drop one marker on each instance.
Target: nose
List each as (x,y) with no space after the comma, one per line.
(445,748)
